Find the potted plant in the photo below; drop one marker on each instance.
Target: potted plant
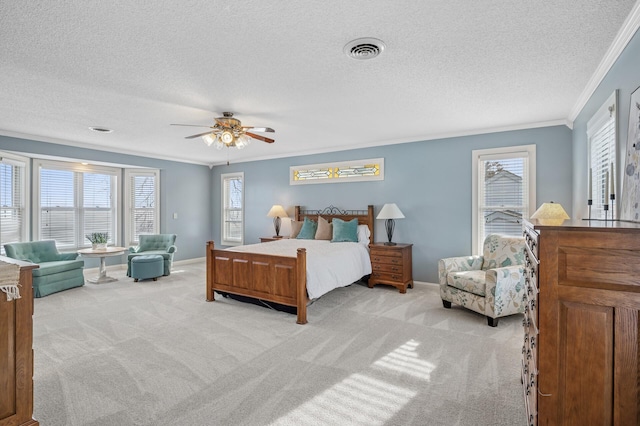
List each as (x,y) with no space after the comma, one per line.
(98,239)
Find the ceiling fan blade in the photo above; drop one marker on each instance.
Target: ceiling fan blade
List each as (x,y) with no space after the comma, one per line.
(260,129)
(198,135)
(190,125)
(261,138)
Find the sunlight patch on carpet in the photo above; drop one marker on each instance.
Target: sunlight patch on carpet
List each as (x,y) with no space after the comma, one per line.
(405,360)
(357,400)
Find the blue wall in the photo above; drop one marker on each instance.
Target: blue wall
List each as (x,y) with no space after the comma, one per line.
(624,76)
(430,181)
(185,189)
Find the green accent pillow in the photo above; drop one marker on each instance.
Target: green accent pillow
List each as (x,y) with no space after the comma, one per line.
(308,230)
(345,231)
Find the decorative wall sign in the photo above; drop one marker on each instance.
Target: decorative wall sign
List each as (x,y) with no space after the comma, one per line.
(345,171)
(630,208)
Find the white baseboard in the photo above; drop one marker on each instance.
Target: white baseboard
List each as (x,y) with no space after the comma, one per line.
(426,283)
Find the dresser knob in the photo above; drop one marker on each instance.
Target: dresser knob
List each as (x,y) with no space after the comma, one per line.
(533,380)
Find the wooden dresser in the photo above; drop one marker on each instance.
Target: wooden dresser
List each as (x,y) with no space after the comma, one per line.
(581,352)
(391,265)
(16,353)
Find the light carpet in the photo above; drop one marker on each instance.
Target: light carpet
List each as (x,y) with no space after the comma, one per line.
(156,353)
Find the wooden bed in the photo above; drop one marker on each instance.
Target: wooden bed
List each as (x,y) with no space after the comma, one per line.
(277,279)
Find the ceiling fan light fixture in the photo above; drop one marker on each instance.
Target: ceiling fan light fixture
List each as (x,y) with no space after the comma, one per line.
(209,139)
(242,141)
(227,137)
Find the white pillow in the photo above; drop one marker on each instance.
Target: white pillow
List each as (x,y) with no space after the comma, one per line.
(363,234)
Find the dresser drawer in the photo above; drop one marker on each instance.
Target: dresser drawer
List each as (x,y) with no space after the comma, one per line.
(379,258)
(387,276)
(376,251)
(387,267)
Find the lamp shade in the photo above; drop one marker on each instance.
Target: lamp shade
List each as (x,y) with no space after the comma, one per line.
(390,211)
(550,214)
(277,211)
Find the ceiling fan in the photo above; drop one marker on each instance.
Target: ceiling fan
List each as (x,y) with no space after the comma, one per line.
(229,132)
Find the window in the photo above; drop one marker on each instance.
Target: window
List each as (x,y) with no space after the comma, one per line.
(14,211)
(141,204)
(73,201)
(503,191)
(345,171)
(602,137)
(232,209)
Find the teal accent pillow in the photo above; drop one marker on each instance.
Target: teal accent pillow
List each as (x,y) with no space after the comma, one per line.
(345,231)
(308,230)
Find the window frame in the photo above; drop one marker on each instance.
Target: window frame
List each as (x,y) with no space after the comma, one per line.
(602,118)
(224,240)
(25,163)
(75,168)
(478,155)
(129,174)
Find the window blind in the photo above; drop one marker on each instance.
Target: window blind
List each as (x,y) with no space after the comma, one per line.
(232,211)
(74,203)
(601,132)
(98,210)
(13,201)
(503,194)
(143,205)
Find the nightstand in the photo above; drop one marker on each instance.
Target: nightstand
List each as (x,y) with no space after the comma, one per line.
(268,239)
(391,265)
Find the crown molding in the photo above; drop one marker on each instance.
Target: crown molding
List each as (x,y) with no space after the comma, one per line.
(629,28)
(95,147)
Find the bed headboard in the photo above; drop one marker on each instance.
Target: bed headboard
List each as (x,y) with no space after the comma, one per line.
(365,217)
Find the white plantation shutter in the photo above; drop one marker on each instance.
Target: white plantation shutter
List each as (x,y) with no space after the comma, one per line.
(75,202)
(232,208)
(13,201)
(142,204)
(602,136)
(504,191)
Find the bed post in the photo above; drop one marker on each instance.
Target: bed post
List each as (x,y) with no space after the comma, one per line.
(301,285)
(296,213)
(371,221)
(210,271)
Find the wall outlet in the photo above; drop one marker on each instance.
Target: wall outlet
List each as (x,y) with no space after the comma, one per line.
(175,215)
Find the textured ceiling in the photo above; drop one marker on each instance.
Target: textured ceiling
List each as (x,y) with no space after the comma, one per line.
(450,67)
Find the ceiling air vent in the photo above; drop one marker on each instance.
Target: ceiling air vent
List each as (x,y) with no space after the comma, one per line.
(100,129)
(364,48)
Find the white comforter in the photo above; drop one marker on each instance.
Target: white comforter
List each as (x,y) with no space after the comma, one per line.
(329,265)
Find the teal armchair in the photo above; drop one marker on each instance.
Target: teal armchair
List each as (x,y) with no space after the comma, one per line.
(162,244)
(57,271)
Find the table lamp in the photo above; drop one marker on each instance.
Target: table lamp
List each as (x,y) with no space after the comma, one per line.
(276,212)
(390,212)
(551,214)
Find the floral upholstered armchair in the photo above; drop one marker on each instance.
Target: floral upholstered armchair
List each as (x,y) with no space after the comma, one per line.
(491,284)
